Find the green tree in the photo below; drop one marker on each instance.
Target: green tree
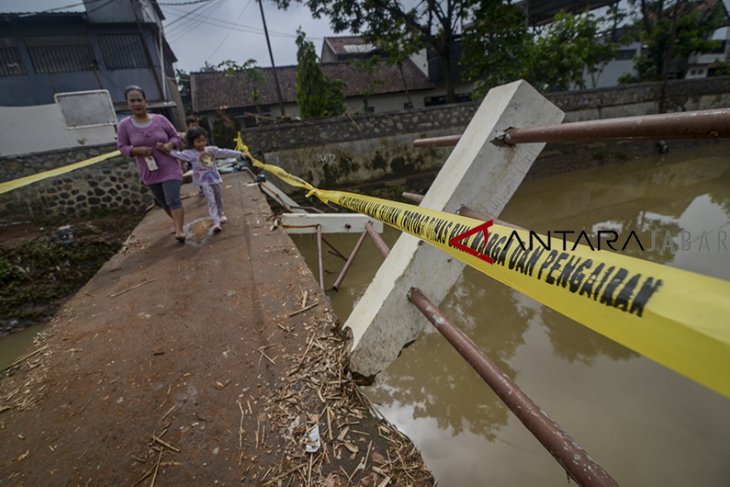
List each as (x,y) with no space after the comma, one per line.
(208,68)
(394,26)
(495,45)
(568,48)
(368,67)
(499,47)
(224,130)
(183,85)
(253,77)
(317,95)
(670,32)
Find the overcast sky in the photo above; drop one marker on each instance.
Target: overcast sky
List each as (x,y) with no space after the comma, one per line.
(219,29)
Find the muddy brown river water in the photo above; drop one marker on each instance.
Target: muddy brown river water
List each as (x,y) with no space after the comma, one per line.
(646,425)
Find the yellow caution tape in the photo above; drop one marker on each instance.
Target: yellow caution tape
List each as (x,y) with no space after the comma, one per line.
(25,181)
(677,318)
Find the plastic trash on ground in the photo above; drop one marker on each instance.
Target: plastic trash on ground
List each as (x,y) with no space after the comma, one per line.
(312,443)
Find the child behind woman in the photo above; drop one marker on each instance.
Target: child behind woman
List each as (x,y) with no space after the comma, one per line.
(205,173)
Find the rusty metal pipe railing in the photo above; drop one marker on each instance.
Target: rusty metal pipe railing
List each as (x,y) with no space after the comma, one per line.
(377,240)
(477,215)
(464,211)
(564,449)
(576,462)
(350,259)
(415,197)
(705,124)
(701,124)
(320,261)
(443,141)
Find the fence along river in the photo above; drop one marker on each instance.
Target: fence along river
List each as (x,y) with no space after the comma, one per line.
(643,423)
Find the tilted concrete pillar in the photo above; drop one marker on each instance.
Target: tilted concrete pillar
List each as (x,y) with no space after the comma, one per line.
(477,174)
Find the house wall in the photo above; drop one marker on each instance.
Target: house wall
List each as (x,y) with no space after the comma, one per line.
(34,88)
(113,183)
(25,130)
(360,148)
(615,68)
(394,102)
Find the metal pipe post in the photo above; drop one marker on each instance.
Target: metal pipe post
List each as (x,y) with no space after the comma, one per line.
(469,213)
(415,197)
(444,141)
(271,56)
(704,124)
(319,257)
(377,240)
(350,259)
(562,447)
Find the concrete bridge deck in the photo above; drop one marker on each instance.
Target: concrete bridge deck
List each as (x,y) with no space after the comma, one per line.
(195,365)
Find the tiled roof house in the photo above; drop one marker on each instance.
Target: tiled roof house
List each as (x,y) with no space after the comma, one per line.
(387,87)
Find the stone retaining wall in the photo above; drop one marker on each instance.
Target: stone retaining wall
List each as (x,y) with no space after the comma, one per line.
(14,167)
(112,184)
(356,149)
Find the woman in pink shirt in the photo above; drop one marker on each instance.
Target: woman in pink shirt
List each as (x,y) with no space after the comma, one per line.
(149,138)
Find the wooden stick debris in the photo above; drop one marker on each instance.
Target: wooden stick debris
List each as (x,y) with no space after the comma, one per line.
(261,351)
(157,467)
(162,442)
(285,474)
(146,281)
(25,357)
(240,427)
(142,479)
(167,413)
(286,329)
(304,298)
(306,308)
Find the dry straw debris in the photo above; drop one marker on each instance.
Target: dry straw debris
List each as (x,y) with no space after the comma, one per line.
(357,445)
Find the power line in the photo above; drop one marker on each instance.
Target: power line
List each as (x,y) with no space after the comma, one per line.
(191,25)
(210,56)
(63,8)
(188,24)
(216,22)
(206,4)
(99,7)
(184,3)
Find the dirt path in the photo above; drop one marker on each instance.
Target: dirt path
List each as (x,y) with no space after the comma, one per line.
(187,365)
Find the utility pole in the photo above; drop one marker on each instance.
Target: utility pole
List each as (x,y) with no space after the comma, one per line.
(271,55)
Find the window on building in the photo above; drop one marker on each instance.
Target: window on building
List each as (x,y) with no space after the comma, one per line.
(60,54)
(625,54)
(123,51)
(431,101)
(10,62)
(721,47)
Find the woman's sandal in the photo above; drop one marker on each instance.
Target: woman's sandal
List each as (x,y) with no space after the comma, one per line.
(180,237)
